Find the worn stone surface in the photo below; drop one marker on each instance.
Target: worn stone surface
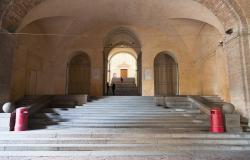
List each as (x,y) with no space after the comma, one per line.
(232,123)
(5,121)
(167,156)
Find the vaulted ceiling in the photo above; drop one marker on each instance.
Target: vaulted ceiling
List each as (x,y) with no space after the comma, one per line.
(19,13)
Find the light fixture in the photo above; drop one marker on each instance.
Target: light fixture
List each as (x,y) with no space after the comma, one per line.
(221,43)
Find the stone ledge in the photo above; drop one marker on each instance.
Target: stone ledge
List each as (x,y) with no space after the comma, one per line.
(204,108)
(5,119)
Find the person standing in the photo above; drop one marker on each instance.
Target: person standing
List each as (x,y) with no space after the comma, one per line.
(113,88)
(107,88)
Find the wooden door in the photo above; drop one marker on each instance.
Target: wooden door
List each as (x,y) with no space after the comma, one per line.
(79,75)
(165,76)
(32,83)
(124,73)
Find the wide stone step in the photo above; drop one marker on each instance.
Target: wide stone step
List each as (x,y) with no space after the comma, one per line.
(188,130)
(121,133)
(186,116)
(122,104)
(118,147)
(118,140)
(123,100)
(93,122)
(81,108)
(123,155)
(122,97)
(116,116)
(130,113)
(132,119)
(97,108)
(124,125)
(119,111)
(114,109)
(106,106)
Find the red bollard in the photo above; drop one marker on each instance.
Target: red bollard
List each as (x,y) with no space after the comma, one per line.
(22,115)
(216,120)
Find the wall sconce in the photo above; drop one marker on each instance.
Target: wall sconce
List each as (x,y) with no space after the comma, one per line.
(221,43)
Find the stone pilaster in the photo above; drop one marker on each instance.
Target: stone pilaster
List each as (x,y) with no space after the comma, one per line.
(7,46)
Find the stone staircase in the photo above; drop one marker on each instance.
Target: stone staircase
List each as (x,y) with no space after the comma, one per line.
(123,128)
(126,88)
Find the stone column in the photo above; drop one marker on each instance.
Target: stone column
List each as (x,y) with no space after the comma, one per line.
(7,46)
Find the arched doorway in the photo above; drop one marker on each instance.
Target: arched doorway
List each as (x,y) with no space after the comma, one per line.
(79,74)
(166,75)
(122,64)
(122,40)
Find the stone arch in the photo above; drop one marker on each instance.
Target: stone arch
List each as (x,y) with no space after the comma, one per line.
(122,38)
(78,74)
(166,75)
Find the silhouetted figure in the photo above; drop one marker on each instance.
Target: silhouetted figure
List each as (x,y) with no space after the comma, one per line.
(107,88)
(113,88)
(121,80)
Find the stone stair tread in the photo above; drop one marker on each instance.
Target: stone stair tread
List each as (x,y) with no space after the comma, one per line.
(165,141)
(108,155)
(80,132)
(118,147)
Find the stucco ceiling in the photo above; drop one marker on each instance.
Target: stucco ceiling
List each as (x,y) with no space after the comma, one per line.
(104,12)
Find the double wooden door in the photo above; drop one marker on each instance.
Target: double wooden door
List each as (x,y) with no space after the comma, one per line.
(79,75)
(166,82)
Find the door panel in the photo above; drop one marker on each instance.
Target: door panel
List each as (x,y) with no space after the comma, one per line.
(124,73)
(165,76)
(79,75)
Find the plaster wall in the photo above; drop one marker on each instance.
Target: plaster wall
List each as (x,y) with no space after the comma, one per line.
(212,63)
(49,56)
(32,56)
(7,47)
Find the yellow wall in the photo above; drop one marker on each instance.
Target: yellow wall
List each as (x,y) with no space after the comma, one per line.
(202,65)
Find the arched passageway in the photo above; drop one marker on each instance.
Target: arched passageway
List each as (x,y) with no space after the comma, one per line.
(166,75)
(79,74)
(122,65)
(124,43)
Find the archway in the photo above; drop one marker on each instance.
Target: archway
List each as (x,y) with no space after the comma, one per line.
(122,40)
(122,65)
(166,75)
(79,74)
